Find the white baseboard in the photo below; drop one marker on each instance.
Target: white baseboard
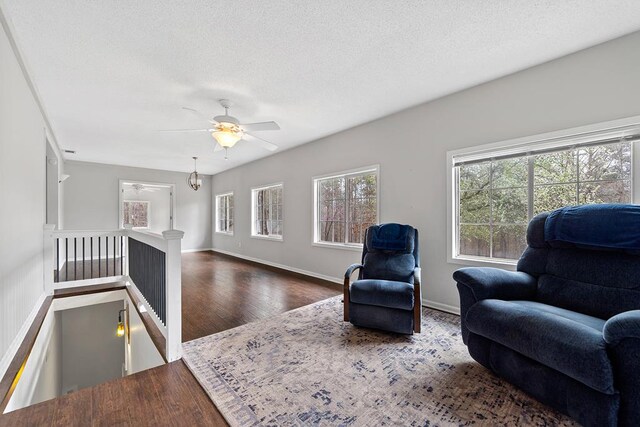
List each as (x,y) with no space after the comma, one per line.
(442,307)
(282,266)
(426,303)
(187,251)
(17,341)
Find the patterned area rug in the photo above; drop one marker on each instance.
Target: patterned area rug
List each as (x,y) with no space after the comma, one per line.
(307,366)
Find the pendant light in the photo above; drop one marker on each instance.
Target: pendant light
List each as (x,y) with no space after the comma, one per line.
(194,180)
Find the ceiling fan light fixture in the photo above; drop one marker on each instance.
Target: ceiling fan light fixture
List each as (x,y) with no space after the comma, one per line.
(227,135)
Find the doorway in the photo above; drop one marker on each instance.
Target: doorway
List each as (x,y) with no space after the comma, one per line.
(52,186)
(147,206)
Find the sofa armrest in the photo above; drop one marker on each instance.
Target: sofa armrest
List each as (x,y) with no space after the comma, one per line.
(622,326)
(488,282)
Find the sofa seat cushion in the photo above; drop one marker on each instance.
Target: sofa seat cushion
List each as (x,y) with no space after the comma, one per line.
(383,293)
(569,342)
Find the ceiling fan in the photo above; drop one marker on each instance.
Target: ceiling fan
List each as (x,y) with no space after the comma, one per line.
(227,130)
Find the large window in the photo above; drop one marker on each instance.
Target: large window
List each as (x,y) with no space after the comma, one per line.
(345,205)
(136,213)
(497,195)
(267,212)
(224,213)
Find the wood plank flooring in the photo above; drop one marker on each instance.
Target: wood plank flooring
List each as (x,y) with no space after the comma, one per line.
(218,293)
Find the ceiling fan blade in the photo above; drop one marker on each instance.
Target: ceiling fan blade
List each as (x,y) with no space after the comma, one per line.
(253,127)
(200,114)
(264,143)
(186,130)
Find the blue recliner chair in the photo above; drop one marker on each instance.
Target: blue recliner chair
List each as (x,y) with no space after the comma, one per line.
(565,327)
(387,293)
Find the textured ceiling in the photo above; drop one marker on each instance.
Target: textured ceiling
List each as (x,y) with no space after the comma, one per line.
(111,73)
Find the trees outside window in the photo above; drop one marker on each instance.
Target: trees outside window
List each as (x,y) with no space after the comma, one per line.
(136,213)
(498,197)
(224,212)
(346,205)
(267,218)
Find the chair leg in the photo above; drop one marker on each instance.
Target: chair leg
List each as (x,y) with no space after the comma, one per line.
(346,300)
(417,308)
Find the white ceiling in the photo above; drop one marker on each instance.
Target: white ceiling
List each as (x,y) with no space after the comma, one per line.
(111,73)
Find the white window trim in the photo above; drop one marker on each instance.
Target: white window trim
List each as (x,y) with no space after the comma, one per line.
(148,203)
(315,241)
(274,238)
(217,222)
(540,141)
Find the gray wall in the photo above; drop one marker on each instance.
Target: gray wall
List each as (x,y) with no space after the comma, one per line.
(91,199)
(49,382)
(91,351)
(598,84)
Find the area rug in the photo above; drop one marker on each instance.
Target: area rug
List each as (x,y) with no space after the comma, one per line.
(308,367)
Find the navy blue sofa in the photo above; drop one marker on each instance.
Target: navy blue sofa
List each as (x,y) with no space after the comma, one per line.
(565,327)
(387,293)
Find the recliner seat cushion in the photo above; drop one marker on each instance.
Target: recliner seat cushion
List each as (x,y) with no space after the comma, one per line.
(382,293)
(569,342)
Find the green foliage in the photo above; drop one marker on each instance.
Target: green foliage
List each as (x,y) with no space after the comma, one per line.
(494,195)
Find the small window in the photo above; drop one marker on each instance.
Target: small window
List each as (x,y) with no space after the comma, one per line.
(497,195)
(224,213)
(267,212)
(136,213)
(346,204)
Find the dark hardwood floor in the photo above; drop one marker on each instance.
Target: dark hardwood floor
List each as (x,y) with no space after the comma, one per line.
(218,293)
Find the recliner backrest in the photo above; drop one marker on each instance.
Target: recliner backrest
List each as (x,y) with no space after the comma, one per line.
(390,252)
(595,281)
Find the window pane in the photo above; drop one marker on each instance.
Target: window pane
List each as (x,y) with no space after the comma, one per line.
(474,206)
(510,206)
(475,176)
(555,167)
(326,231)
(346,205)
(510,173)
(509,241)
(356,232)
(474,240)
(136,214)
(549,197)
(605,162)
(605,192)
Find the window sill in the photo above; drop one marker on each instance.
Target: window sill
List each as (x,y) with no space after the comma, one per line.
(272,238)
(471,261)
(354,248)
(225,233)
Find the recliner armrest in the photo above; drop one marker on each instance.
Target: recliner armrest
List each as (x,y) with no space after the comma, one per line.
(622,326)
(489,282)
(417,272)
(351,269)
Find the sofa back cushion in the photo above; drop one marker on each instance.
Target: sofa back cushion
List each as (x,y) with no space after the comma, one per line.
(600,282)
(390,252)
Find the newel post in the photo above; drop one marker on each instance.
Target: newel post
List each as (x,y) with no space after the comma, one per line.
(49,255)
(174,293)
